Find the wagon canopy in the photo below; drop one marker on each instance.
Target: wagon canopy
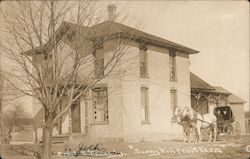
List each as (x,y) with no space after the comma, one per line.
(224,112)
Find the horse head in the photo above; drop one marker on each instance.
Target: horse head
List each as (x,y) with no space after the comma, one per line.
(187,112)
(177,115)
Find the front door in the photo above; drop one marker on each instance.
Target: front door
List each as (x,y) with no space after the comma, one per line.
(76,118)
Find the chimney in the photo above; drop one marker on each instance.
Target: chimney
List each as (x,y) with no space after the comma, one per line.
(111,12)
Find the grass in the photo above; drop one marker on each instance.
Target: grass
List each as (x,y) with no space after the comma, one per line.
(230,148)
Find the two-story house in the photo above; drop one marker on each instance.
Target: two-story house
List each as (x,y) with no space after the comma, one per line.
(136,103)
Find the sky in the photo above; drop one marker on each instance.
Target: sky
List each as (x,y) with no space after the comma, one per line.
(218,29)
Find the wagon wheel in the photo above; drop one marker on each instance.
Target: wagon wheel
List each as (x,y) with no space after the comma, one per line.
(228,129)
(219,129)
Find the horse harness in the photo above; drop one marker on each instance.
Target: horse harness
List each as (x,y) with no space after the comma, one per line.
(203,121)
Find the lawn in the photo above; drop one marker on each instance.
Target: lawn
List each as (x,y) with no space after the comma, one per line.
(225,148)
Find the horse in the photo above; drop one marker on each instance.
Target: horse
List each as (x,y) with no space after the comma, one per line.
(186,124)
(200,121)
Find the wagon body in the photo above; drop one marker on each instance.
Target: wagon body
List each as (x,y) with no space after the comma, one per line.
(225,119)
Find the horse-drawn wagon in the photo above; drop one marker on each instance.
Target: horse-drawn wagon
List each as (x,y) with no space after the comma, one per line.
(226,123)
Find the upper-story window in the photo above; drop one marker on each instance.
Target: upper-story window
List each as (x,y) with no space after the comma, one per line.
(172,66)
(143,62)
(99,64)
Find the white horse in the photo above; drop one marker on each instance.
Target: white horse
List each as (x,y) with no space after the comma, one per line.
(200,121)
(185,122)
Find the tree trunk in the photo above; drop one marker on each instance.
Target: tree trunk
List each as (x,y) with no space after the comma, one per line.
(1,110)
(47,136)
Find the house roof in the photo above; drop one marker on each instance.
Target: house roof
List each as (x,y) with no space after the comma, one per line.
(110,29)
(198,83)
(235,99)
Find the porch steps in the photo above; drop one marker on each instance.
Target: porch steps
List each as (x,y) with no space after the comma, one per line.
(79,137)
(65,138)
(60,139)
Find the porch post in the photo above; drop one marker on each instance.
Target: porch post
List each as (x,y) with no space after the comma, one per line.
(70,126)
(86,116)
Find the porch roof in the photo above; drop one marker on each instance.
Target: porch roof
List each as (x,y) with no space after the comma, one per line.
(219,90)
(235,99)
(198,84)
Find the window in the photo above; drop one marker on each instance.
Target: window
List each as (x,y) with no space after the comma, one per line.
(76,116)
(173,96)
(143,62)
(172,66)
(100,105)
(99,64)
(144,105)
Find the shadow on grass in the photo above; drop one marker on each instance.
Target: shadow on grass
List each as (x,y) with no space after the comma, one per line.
(28,150)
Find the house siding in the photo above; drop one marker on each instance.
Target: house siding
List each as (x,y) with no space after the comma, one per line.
(159,87)
(124,103)
(239,115)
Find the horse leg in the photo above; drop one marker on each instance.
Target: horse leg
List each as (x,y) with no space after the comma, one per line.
(196,135)
(215,132)
(188,136)
(210,135)
(199,133)
(184,135)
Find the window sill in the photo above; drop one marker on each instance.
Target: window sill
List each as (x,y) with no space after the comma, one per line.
(144,76)
(172,80)
(100,123)
(145,122)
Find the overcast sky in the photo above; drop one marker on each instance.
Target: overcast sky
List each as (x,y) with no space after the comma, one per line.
(219,30)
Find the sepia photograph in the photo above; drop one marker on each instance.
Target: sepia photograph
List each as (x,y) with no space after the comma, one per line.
(139,79)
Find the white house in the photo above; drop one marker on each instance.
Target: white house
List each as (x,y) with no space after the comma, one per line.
(136,103)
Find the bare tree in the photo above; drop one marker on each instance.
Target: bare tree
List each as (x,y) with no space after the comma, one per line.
(1,110)
(11,120)
(50,59)
(8,97)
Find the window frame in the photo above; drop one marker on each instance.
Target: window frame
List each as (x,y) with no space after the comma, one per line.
(77,102)
(106,107)
(173,104)
(145,108)
(99,59)
(172,66)
(143,61)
